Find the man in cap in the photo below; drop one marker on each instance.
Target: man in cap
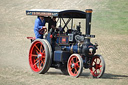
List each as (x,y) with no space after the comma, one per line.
(39,23)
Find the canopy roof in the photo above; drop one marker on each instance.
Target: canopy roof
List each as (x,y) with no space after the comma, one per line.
(57,13)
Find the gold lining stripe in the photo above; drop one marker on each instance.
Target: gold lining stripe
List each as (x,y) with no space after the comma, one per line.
(89,11)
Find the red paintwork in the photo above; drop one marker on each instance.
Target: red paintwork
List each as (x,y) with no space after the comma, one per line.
(33,38)
(96,62)
(37,56)
(51,36)
(43,30)
(73,71)
(64,40)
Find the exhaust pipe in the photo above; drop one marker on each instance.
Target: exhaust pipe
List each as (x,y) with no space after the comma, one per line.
(88,22)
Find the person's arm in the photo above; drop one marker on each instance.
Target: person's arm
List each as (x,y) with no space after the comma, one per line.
(37,26)
(52,26)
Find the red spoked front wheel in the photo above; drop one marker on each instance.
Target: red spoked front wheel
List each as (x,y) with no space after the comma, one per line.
(39,58)
(75,65)
(97,66)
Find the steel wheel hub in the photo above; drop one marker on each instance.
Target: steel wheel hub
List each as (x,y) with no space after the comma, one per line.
(39,55)
(73,65)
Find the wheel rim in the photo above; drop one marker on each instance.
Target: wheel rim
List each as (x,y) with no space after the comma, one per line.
(74,66)
(37,56)
(96,66)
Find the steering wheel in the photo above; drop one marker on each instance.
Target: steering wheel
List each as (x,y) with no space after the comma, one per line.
(43,30)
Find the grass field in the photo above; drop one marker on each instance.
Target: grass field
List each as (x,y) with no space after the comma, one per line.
(109,24)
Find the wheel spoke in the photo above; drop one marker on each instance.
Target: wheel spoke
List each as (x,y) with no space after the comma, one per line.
(43,51)
(37,52)
(37,48)
(41,48)
(39,64)
(76,71)
(95,70)
(100,70)
(72,61)
(100,66)
(78,66)
(42,62)
(43,57)
(77,60)
(36,62)
(36,59)
(96,60)
(70,64)
(72,68)
(34,55)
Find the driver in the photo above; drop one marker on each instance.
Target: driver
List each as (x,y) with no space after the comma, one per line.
(52,25)
(39,23)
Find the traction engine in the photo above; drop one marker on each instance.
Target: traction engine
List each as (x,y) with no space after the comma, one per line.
(69,51)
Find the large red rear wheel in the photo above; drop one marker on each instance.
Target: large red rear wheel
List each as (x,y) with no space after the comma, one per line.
(97,66)
(39,56)
(75,65)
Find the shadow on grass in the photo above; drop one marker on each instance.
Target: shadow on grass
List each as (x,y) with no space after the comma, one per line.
(87,75)
(113,76)
(55,73)
(107,76)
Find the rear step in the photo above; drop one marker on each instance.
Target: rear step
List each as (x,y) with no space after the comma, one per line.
(31,38)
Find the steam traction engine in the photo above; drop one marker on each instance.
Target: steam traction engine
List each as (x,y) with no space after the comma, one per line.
(68,50)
